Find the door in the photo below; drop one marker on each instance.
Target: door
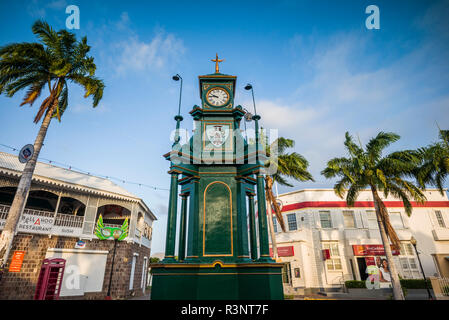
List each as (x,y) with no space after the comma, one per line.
(362,268)
(144,275)
(133,268)
(50,279)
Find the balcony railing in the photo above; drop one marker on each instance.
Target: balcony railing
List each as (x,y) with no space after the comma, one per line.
(65,220)
(64,224)
(444,285)
(4,210)
(62,220)
(41,213)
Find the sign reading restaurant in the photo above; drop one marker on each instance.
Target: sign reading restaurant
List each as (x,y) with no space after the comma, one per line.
(35,223)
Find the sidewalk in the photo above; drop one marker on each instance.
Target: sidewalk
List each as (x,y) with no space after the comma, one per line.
(144,297)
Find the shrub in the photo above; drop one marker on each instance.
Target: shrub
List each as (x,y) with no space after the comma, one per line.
(414,283)
(355,284)
(405,284)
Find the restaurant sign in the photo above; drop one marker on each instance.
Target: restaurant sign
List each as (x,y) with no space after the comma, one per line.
(31,223)
(371,250)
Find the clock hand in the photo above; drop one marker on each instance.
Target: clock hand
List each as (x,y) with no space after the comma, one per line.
(212,95)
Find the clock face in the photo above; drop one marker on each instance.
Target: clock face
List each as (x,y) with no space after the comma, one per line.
(217,97)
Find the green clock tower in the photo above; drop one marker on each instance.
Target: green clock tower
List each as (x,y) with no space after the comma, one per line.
(223,250)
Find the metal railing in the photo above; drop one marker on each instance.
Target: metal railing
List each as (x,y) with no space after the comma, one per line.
(444,285)
(41,213)
(342,281)
(66,220)
(63,220)
(4,210)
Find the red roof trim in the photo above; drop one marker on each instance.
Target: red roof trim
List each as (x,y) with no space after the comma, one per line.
(359,204)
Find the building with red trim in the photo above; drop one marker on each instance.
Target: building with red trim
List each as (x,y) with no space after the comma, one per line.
(328,243)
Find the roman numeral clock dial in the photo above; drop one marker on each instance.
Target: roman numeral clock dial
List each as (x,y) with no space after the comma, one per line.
(217,97)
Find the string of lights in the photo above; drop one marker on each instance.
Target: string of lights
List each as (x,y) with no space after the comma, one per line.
(72,168)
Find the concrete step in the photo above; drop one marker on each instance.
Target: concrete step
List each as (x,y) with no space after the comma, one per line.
(333,294)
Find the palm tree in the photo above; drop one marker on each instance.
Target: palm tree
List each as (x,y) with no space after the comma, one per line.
(288,165)
(435,166)
(57,59)
(366,168)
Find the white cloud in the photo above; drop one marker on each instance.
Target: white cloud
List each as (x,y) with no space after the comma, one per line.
(135,55)
(123,23)
(353,88)
(36,8)
(86,107)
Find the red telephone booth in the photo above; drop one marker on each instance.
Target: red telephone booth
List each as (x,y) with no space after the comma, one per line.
(50,279)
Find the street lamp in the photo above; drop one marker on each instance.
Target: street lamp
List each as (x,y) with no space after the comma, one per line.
(177,77)
(103,233)
(250,87)
(413,242)
(116,234)
(178,117)
(256,119)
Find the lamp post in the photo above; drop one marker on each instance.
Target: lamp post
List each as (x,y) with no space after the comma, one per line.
(177,77)
(178,117)
(250,87)
(116,234)
(256,119)
(103,233)
(266,208)
(413,242)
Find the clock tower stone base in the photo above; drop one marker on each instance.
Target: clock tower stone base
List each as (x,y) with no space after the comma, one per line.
(218,282)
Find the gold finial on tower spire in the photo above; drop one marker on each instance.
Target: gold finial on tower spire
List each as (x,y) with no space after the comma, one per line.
(217,61)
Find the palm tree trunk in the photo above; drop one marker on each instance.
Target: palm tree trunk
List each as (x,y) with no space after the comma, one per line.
(396,284)
(271,227)
(18,204)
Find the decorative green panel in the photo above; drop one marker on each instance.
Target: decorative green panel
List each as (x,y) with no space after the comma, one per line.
(217,220)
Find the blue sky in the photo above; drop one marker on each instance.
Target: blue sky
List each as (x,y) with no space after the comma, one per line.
(316,70)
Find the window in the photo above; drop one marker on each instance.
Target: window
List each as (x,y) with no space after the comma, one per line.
(409,268)
(348,217)
(396,220)
(333,248)
(147,231)
(275,226)
(372,220)
(286,273)
(406,249)
(440,219)
(407,262)
(291,219)
(325,219)
(334,263)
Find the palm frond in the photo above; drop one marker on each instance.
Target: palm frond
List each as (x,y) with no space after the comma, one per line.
(57,58)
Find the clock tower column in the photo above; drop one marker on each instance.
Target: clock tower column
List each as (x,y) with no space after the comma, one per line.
(220,255)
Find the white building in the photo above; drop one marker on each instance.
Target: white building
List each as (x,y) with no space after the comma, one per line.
(58,222)
(318,219)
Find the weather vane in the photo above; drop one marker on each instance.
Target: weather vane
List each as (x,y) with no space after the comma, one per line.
(217,61)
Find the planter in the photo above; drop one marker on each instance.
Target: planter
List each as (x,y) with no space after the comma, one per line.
(385,293)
